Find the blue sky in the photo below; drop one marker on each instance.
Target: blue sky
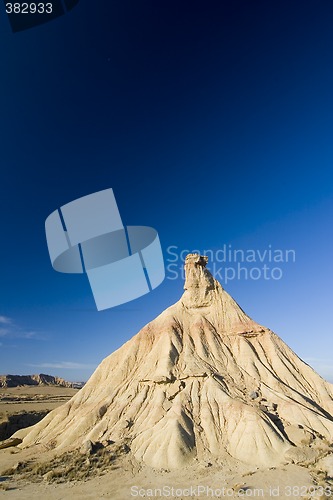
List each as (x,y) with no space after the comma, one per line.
(213,124)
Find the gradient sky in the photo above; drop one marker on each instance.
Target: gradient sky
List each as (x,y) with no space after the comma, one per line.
(213,123)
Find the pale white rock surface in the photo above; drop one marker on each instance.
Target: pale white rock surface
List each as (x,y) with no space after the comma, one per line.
(202,382)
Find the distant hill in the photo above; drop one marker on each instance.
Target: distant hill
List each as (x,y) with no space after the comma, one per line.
(41,379)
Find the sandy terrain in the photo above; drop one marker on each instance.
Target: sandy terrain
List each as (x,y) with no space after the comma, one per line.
(128,480)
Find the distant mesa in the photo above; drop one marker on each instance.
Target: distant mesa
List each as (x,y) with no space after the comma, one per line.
(201,383)
(41,379)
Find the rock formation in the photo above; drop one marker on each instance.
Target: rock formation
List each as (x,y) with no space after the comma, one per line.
(201,382)
(41,379)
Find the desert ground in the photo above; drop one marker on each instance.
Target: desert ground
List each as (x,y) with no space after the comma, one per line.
(125,479)
(26,405)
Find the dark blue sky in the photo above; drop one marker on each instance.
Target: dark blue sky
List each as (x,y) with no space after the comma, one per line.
(212,121)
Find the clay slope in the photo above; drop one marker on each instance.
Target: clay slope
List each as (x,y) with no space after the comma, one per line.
(202,381)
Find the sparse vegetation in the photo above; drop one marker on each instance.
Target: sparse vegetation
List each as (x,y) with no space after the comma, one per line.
(73,466)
